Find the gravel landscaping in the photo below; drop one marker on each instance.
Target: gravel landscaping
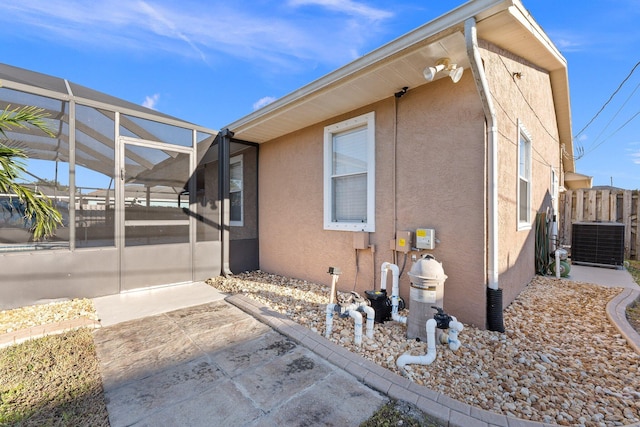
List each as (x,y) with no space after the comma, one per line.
(559,361)
(36,315)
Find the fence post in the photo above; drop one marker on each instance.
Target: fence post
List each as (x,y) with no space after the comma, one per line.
(626,215)
(579,205)
(636,227)
(605,205)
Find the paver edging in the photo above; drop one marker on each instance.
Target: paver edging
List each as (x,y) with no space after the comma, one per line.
(54,328)
(616,313)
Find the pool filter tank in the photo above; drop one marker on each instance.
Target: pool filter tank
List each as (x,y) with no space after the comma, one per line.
(427,290)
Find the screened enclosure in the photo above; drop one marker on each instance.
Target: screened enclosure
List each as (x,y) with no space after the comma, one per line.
(146,199)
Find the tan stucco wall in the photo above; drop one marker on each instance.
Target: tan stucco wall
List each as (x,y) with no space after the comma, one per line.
(529,100)
(440,183)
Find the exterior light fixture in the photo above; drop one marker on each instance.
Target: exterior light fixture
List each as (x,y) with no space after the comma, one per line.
(444,64)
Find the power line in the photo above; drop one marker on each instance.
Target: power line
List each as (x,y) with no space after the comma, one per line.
(614,132)
(609,100)
(595,142)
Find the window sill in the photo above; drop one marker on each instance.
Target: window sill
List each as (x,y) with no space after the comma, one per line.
(349,227)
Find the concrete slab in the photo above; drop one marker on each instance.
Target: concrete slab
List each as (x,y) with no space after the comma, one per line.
(214,364)
(612,277)
(337,400)
(114,309)
(223,406)
(134,401)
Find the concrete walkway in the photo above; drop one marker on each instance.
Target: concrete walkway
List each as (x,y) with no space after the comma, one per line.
(204,360)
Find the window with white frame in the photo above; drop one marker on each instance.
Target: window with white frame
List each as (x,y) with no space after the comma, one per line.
(349,178)
(524,178)
(236,215)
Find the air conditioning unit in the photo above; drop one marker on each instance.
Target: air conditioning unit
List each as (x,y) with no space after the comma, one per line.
(597,243)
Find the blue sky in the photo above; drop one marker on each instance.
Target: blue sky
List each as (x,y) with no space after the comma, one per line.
(212,62)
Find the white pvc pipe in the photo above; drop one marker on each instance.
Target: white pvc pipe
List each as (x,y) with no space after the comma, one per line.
(454,328)
(329,321)
(477,69)
(429,357)
(371,316)
(557,264)
(554,236)
(395,289)
(357,328)
(354,312)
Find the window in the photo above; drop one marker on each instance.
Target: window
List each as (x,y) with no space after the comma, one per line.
(524,178)
(349,180)
(236,216)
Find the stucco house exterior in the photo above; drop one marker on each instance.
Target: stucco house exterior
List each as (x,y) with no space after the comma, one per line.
(461,126)
(375,149)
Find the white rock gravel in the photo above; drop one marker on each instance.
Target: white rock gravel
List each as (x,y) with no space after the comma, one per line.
(41,314)
(560,360)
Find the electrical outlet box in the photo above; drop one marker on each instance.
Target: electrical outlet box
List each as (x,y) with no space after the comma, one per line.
(360,240)
(426,238)
(403,241)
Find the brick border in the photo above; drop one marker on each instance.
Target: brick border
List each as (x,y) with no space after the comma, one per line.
(40,331)
(616,312)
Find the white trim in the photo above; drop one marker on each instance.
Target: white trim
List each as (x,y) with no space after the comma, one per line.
(157,145)
(367,120)
(523,133)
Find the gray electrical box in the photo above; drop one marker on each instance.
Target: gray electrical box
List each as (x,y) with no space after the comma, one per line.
(426,238)
(403,241)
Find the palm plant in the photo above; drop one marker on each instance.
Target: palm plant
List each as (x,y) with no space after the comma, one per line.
(38,208)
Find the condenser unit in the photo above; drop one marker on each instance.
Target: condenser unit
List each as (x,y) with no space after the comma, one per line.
(597,243)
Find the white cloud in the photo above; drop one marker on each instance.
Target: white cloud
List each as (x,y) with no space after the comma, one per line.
(568,41)
(281,35)
(151,101)
(349,7)
(263,102)
(163,25)
(634,153)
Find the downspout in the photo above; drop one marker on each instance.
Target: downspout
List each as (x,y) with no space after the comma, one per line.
(224,167)
(494,294)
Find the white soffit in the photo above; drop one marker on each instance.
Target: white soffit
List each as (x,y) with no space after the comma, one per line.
(377,82)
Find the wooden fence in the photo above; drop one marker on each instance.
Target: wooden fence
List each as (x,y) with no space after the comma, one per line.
(601,205)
